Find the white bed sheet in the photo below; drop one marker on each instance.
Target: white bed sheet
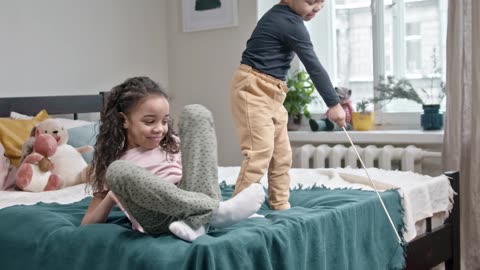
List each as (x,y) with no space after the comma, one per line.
(422,196)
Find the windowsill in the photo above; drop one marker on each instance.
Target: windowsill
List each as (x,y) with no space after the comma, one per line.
(406,137)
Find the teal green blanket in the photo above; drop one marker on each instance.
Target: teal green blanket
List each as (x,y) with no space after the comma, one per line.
(324,229)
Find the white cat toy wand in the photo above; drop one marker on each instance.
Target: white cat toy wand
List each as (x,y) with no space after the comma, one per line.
(374,187)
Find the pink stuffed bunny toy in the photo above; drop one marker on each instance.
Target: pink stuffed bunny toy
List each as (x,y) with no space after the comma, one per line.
(68,160)
(35,172)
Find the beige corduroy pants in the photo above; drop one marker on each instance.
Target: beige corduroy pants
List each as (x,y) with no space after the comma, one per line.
(256,102)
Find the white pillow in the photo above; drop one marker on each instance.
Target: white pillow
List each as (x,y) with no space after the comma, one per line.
(70,123)
(67,123)
(15,115)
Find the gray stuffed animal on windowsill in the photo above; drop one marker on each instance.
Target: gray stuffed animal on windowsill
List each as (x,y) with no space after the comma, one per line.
(326,125)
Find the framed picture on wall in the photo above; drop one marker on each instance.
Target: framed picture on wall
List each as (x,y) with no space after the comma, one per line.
(201,15)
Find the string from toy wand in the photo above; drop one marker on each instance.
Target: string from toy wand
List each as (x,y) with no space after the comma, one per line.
(374,187)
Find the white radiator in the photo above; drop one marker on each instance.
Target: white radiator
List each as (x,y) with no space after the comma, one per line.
(385,157)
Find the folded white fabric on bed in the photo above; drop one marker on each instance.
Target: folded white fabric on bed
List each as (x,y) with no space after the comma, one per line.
(423,196)
(63,196)
(304,177)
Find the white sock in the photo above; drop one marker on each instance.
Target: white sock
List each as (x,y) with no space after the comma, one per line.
(243,205)
(185,232)
(255,215)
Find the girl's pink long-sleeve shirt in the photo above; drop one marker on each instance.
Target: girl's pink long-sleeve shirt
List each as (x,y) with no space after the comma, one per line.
(168,167)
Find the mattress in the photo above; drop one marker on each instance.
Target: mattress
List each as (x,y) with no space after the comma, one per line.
(422,196)
(325,229)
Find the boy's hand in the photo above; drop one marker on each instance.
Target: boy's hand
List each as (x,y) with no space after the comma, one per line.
(336,114)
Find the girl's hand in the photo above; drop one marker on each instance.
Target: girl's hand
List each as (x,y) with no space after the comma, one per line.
(336,114)
(110,197)
(99,208)
(113,198)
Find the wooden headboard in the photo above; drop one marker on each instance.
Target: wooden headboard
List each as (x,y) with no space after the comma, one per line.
(53,104)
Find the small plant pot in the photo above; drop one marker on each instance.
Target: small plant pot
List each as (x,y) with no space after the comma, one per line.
(431,119)
(363,121)
(294,122)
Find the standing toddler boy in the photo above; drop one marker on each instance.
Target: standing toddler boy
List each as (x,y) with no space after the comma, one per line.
(258,90)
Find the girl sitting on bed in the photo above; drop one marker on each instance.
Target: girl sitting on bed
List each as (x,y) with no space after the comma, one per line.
(138,165)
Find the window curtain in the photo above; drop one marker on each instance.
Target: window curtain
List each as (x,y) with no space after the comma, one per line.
(461,148)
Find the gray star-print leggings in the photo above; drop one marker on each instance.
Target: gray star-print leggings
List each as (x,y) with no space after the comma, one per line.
(155,203)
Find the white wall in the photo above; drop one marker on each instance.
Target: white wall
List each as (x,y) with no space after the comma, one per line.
(201,66)
(264,5)
(63,47)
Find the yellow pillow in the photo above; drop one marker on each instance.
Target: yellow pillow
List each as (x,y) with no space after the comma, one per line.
(14,133)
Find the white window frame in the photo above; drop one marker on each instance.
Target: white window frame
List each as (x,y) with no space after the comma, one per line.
(325,26)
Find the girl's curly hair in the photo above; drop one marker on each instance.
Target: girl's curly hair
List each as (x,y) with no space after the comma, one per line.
(112,137)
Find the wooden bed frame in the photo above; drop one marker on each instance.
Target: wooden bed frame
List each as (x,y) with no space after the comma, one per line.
(53,104)
(441,244)
(435,246)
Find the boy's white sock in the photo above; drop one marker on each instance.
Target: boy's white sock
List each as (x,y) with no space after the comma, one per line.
(185,232)
(242,206)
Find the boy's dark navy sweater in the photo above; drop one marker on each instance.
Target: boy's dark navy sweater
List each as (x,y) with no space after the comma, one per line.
(278,35)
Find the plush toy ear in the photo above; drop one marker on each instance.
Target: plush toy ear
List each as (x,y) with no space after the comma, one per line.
(34,132)
(349,92)
(4,167)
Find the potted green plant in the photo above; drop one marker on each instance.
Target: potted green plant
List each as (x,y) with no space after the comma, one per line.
(392,88)
(300,95)
(363,119)
(432,119)
(430,99)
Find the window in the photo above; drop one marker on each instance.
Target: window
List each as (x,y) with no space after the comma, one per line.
(358,41)
(353,24)
(413,41)
(405,38)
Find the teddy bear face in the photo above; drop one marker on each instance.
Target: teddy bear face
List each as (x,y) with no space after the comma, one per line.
(54,128)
